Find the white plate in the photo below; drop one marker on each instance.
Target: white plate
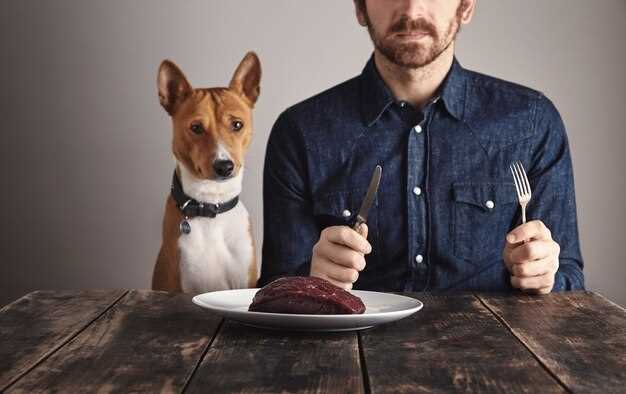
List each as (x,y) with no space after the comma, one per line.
(379,308)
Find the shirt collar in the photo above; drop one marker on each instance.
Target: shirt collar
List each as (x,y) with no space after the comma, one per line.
(376,96)
(453,90)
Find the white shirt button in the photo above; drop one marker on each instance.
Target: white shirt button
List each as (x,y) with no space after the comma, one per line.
(417,191)
(419,258)
(490,204)
(346,213)
(418,129)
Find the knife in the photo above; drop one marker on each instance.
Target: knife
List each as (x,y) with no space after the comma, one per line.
(361,217)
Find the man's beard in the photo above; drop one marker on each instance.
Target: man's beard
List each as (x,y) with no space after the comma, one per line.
(415,54)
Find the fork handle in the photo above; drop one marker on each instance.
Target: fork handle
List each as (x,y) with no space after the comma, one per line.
(524,218)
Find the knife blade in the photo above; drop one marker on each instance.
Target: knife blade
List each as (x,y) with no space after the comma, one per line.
(368,200)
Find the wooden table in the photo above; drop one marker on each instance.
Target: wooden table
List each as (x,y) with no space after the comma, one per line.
(145,341)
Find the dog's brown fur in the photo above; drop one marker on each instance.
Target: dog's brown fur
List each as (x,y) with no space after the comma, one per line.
(166,275)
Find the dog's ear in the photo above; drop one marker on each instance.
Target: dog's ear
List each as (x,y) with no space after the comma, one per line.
(173,86)
(247,78)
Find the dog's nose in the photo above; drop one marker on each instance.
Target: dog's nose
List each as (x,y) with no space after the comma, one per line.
(223,168)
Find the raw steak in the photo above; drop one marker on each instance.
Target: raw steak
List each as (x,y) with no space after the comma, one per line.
(305,295)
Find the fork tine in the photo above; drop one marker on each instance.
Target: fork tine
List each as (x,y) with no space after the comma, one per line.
(519,169)
(525,178)
(518,185)
(515,181)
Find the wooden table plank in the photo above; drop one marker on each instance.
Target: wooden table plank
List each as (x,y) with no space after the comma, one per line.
(148,342)
(250,360)
(579,336)
(39,323)
(453,344)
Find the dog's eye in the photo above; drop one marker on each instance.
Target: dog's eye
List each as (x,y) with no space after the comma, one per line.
(197,128)
(237,125)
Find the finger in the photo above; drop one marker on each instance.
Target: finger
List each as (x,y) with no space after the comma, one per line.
(534,268)
(533,283)
(506,256)
(344,235)
(338,272)
(341,255)
(534,250)
(509,266)
(544,290)
(343,285)
(535,229)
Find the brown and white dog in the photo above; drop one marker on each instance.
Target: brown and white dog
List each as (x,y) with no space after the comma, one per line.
(207,235)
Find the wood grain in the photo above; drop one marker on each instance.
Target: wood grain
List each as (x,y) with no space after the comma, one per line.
(250,360)
(148,342)
(453,344)
(145,341)
(579,336)
(39,323)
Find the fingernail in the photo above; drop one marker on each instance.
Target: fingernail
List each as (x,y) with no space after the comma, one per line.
(510,238)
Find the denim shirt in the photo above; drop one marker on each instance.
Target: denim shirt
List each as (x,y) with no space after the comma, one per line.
(446,199)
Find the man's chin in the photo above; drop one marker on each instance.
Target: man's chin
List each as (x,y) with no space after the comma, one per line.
(410,56)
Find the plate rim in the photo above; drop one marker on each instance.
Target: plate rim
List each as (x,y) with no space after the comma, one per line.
(418,306)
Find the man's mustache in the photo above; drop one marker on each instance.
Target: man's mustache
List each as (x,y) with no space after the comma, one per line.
(407,25)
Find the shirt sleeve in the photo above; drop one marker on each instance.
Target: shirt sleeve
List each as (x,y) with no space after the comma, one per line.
(289,227)
(553,199)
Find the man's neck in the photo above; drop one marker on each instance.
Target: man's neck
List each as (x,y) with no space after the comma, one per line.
(418,85)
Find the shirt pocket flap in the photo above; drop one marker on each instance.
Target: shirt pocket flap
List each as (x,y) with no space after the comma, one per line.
(484,195)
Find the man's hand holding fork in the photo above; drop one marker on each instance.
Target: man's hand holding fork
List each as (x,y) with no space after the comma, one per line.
(530,253)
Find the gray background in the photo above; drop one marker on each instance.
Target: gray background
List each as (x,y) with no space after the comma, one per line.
(86,147)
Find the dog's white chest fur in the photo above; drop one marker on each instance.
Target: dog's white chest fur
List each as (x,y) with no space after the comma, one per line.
(217,253)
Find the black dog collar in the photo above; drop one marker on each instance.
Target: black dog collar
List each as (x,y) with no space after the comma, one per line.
(191,208)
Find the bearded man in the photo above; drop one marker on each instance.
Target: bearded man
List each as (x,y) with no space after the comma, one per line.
(446,214)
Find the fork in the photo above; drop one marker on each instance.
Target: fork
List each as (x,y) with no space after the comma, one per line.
(522,186)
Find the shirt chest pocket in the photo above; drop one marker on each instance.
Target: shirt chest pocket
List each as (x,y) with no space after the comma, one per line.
(340,208)
(483,213)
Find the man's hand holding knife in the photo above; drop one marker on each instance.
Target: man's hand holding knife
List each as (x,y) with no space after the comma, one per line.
(339,255)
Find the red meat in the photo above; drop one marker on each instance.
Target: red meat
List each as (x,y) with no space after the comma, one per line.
(305,295)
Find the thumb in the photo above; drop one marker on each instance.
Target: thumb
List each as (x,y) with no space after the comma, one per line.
(363,230)
(506,254)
